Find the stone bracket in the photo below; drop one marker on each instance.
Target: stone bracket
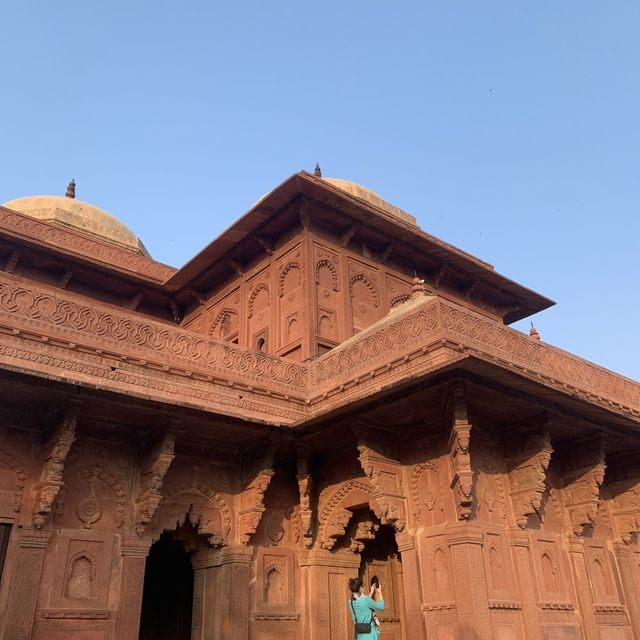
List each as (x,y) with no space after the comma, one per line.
(528,467)
(54,454)
(153,471)
(385,474)
(582,474)
(459,451)
(306,490)
(252,498)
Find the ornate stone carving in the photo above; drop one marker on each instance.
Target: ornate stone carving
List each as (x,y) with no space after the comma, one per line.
(153,471)
(54,452)
(623,493)
(459,453)
(365,530)
(8,460)
(527,467)
(582,475)
(334,515)
(252,498)
(385,475)
(305,488)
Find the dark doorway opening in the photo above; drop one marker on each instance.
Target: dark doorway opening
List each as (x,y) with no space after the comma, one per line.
(380,557)
(168,591)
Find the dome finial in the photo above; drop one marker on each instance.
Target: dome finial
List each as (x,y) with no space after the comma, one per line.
(317,171)
(71,189)
(533,332)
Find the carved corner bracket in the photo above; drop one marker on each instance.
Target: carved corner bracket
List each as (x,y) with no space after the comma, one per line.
(385,474)
(306,489)
(623,494)
(54,454)
(153,471)
(252,498)
(528,467)
(582,475)
(459,451)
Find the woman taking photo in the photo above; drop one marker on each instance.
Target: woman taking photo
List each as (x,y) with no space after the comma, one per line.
(362,607)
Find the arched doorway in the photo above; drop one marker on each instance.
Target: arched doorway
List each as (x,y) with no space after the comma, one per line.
(380,557)
(168,590)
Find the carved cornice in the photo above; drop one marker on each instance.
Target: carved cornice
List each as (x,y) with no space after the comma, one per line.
(459,451)
(582,474)
(154,470)
(54,453)
(41,232)
(528,464)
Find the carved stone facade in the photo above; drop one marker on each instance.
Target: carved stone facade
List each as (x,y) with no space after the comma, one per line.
(325,391)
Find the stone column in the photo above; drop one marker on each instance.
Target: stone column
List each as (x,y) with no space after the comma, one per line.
(412,587)
(221,593)
(24,587)
(624,560)
(325,593)
(575,546)
(521,553)
(474,621)
(134,553)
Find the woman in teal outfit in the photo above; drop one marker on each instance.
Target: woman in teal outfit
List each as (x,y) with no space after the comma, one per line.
(362,607)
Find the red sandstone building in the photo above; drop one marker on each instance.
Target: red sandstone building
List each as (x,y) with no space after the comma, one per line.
(211,452)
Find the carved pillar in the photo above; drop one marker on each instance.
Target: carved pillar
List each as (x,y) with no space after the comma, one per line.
(54,453)
(134,553)
(154,469)
(576,550)
(325,577)
(412,583)
(474,621)
(459,441)
(521,554)
(24,588)
(221,593)
(305,487)
(624,560)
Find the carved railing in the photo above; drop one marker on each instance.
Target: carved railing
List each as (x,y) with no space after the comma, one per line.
(436,321)
(110,330)
(80,244)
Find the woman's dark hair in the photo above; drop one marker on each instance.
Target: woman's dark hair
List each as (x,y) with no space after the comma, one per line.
(355,584)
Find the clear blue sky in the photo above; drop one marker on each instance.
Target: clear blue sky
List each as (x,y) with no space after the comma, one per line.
(510,129)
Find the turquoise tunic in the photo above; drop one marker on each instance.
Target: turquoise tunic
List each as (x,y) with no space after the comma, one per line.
(363,607)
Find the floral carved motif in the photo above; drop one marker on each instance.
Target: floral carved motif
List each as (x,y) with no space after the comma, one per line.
(262,286)
(582,475)
(283,274)
(432,497)
(361,277)
(527,475)
(154,469)
(327,264)
(459,453)
(54,452)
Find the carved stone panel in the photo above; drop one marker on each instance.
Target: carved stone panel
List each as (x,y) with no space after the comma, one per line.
(459,452)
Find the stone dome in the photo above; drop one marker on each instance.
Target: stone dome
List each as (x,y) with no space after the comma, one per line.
(76,214)
(364,193)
